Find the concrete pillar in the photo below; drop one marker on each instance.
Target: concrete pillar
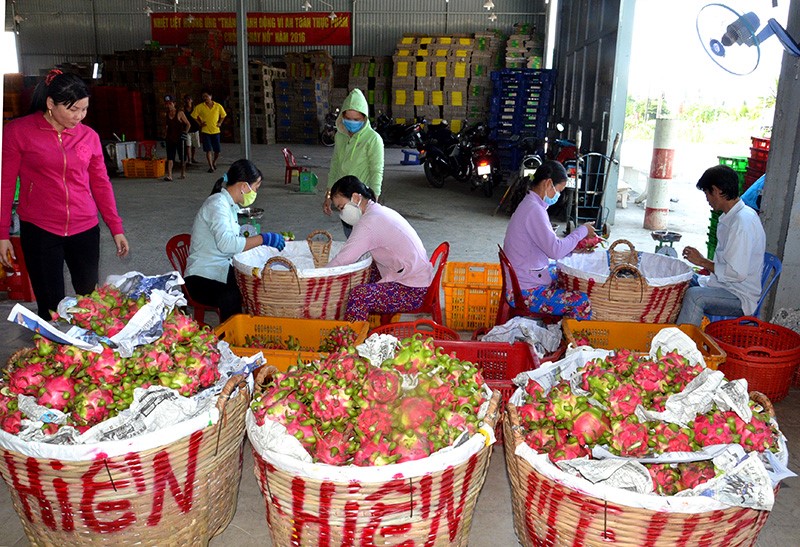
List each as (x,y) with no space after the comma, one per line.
(657,210)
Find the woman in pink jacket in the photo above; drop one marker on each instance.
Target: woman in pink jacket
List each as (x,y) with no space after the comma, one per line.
(403,271)
(63,184)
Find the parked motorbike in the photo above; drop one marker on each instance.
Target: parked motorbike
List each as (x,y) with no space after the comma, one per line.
(328,133)
(467,156)
(397,134)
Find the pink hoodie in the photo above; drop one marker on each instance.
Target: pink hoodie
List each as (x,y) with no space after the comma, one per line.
(63,182)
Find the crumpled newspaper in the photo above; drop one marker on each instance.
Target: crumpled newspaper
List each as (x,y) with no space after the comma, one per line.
(378,348)
(673,338)
(787,318)
(541,339)
(625,474)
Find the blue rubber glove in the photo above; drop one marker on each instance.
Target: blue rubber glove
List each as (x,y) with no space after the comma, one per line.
(271,239)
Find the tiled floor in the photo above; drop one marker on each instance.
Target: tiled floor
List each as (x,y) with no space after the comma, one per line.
(154,211)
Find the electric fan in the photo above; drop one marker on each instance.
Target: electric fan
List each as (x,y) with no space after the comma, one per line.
(733,41)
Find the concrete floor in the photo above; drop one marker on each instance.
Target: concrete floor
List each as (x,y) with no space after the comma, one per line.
(153,211)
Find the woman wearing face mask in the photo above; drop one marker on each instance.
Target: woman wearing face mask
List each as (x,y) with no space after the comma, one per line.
(531,243)
(357,150)
(63,185)
(215,239)
(403,271)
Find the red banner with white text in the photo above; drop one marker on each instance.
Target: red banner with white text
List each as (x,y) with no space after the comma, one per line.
(263,29)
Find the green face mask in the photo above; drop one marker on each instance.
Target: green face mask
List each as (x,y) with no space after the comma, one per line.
(249,197)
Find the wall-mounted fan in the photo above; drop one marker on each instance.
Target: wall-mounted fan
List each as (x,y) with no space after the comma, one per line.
(733,41)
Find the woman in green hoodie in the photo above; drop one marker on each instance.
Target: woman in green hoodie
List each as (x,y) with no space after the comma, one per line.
(357,150)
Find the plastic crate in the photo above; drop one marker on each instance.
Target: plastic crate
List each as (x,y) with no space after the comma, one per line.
(761,143)
(756,166)
(426,327)
(759,154)
(737,163)
(637,337)
(309,332)
(499,363)
(144,169)
(471,294)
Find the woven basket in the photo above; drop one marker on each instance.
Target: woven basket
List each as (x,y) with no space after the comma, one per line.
(182,493)
(765,354)
(432,509)
(284,292)
(625,295)
(547,512)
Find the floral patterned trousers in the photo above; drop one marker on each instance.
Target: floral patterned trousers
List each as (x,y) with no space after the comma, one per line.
(554,301)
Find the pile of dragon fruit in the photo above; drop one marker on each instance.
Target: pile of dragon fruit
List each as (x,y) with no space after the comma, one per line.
(566,425)
(105,311)
(337,338)
(345,410)
(92,387)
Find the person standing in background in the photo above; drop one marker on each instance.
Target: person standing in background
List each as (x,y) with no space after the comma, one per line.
(177,127)
(63,184)
(357,150)
(194,131)
(209,116)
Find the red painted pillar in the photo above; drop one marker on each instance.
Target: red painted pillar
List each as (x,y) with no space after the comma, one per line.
(657,211)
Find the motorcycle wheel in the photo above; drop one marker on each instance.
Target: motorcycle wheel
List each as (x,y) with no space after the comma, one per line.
(488,187)
(327,138)
(434,174)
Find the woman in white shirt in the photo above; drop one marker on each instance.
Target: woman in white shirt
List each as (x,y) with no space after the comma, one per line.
(215,239)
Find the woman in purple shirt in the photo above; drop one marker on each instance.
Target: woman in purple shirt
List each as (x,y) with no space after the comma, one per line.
(531,243)
(403,271)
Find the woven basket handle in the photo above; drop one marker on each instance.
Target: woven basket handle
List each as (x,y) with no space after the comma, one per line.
(616,274)
(622,257)
(320,253)
(263,376)
(621,241)
(235,381)
(267,269)
(764,401)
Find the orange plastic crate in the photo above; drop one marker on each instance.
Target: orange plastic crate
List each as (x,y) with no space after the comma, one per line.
(309,332)
(637,337)
(144,169)
(471,294)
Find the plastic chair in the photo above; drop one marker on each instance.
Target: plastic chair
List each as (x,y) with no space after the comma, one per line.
(506,311)
(291,166)
(431,303)
(769,275)
(178,254)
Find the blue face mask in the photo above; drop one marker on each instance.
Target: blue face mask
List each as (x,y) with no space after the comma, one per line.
(353,126)
(552,200)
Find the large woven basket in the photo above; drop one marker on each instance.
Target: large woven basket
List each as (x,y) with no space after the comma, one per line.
(547,512)
(282,291)
(182,493)
(432,508)
(625,294)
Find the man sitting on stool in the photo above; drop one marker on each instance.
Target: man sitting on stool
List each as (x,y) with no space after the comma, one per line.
(734,285)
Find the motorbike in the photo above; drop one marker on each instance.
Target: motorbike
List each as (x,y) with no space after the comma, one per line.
(396,134)
(467,156)
(328,134)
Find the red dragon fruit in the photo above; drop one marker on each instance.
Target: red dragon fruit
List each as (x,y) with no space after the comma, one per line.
(331,403)
(338,337)
(534,390)
(713,428)
(650,376)
(382,386)
(541,437)
(27,378)
(57,392)
(375,451)
(566,405)
(302,428)
(629,437)
(757,435)
(10,416)
(92,405)
(695,473)
(566,447)
(106,368)
(374,419)
(623,400)
(598,380)
(334,447)
(666,478)
(416,413)
(671,438)
(590,426)
(411,446)
(534,412)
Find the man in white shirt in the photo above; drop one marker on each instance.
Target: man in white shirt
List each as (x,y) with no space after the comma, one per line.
(734,285)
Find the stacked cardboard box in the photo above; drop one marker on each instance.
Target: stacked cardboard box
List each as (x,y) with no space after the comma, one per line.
(524,48)
(303,98)
(261,94)
(372,75)
(443,77)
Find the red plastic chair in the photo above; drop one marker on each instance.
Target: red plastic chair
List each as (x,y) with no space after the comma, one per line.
(291,166)
(506,311)
(178,254)
(147,150)
(431,304)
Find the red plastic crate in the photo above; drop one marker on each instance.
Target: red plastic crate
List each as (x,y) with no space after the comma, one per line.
(759,154)
(425,327)
(761,143)
(756,166)
(499,363)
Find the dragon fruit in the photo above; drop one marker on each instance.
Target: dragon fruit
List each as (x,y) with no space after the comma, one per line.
(695,473)
(666,478)
(710,429)
(623,400)
(302,429)
(541,437)
(375,451)
(566,405)
(334,447)
(92,405)
(27,378)
(411,446)
(106,368)
(668,437)
(338,337)
(416,413)
(382,386)
(650,376)
(629,437)
(566,447)
(331,403)
(598,380)
(10,416)
(374,419)
(534,412)
(57,392)
(590,427)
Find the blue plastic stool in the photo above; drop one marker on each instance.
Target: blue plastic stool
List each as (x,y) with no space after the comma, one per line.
(410,157)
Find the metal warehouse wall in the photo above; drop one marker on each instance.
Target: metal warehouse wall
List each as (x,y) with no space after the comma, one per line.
(56,31)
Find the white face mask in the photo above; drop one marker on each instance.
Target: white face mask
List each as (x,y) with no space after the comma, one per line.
(351,213)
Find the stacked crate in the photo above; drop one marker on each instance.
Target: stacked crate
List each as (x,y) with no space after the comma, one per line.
(372,75)
(260,85)
(443,77)
(303,98)
(524,48)
(739,165)
(757,163)
(520,106)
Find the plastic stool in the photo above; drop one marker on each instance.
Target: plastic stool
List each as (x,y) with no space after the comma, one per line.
(410,157)
(146,150)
